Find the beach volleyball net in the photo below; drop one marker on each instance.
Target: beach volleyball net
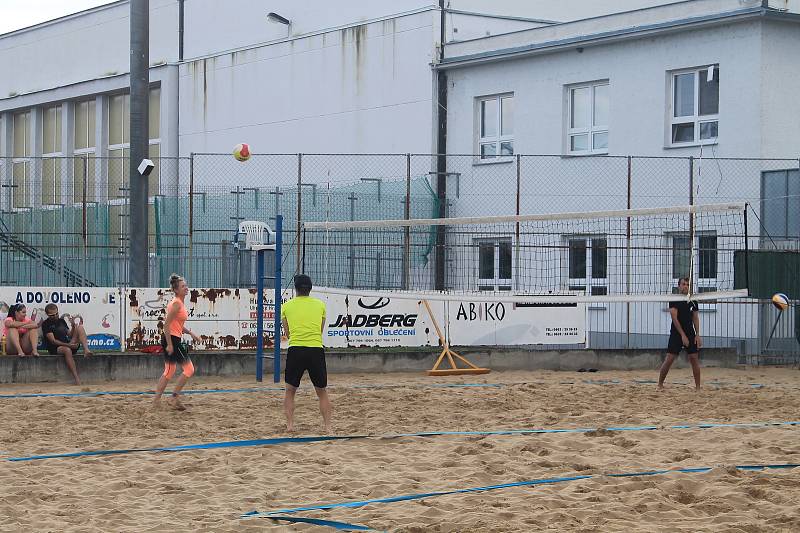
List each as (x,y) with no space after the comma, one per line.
(603,256)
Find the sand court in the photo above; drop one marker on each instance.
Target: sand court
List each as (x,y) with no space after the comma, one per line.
(211,488)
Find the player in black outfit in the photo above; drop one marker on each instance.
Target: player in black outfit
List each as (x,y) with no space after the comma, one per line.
(683,334)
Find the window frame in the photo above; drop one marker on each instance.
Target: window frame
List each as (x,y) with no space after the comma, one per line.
(25,160)
(499,139)
(768,211)
(695,119)
(55,157)
(703,284)
(497,283)
(89,153)
(591,129)
(117,152)
(587,284)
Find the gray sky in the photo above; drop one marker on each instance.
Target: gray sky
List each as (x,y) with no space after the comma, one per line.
(16,14)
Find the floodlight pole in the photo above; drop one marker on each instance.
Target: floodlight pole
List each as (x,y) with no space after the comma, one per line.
(138,275)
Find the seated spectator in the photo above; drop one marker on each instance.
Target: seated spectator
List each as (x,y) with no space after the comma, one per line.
(21,333)
(59,340)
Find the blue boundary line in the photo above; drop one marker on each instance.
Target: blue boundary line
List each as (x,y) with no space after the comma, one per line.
(533,482)
(302,440)
(131,393)
(248,389)
(366,387)
(341,526)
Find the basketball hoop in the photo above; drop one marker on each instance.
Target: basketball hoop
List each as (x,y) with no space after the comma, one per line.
(258,236)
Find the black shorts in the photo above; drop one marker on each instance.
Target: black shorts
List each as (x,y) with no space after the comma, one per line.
(302,358)
(676,344)
(180,350)
(52,349)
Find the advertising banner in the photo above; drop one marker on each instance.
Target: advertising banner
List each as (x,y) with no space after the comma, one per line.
(370,321)
(98,309)
(509,324)
(224,319)
(388,321)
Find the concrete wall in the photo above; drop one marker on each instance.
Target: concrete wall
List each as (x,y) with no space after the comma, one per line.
(460,26)
(357,90)
(562,10)
(581,26)
(780,87)
(142,367)
(86,46)
(217,25)
(213,26)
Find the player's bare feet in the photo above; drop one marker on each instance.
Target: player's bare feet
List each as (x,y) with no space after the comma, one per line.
(87,353)
(176,404)
(660,387)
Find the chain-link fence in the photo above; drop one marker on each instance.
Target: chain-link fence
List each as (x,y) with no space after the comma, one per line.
(65,220)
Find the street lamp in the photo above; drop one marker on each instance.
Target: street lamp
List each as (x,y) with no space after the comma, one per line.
(274,17)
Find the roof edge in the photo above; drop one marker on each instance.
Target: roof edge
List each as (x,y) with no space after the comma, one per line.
(605,36)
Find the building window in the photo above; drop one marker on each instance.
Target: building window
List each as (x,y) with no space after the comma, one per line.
(118,145)
(83,173)
(51,155)
(695,106)
(494,265)
(780,204)
(154,149)
(496,126)
(588,119)
(588,265)
(707,259)
(20,162)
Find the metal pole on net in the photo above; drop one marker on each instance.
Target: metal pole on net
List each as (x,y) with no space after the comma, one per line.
(260,305)
(628,262)
(746,251)
(276,367)
(260,315)
(516,226)
(691,226)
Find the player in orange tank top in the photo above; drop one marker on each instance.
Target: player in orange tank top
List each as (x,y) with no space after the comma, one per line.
(174,350)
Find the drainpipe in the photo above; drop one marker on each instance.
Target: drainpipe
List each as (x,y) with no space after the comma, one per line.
(180,29)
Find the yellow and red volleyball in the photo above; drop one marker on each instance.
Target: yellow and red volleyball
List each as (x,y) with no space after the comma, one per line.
(241,152)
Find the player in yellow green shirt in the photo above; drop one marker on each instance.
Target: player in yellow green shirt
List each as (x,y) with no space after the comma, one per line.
(303,320)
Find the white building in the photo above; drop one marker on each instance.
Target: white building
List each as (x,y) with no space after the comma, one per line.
(332,81)
(708,78)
